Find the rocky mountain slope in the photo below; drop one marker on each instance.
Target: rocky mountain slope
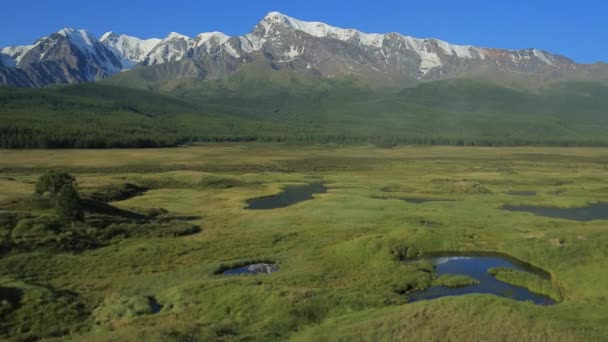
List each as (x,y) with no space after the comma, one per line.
(278,42)
(67,56)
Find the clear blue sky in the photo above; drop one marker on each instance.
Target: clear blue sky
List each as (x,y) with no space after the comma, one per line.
(577,29)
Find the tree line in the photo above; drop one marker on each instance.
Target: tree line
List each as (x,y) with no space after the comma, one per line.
(31,139)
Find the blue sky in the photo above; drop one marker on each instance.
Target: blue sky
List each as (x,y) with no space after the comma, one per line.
(577,29)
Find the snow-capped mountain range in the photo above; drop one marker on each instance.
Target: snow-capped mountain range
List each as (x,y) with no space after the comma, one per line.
(280,41)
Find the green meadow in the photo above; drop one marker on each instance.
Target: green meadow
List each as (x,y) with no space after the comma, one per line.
(161,223)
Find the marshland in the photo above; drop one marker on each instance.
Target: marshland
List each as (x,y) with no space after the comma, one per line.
(160,227)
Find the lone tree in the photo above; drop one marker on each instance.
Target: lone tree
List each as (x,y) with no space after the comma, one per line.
(61,187)
(68,206)
(53,182)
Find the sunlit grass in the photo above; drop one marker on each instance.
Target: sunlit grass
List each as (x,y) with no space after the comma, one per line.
(340,275)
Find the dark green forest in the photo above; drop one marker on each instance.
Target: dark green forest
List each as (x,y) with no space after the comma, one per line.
(344,111)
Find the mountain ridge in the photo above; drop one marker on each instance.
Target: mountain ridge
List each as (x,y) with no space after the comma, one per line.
(278,40)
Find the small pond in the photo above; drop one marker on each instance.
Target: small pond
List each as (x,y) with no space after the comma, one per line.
(415,200)
(595,211)
(261,268)
(522,193)
(292,194)
(155,307)
(477,266)
(424,200)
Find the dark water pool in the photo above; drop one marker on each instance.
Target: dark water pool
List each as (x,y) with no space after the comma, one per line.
(261,268)
(291,195)
(423,200)
(522,193)
(415,200)
(477,266)
(155,307)
(595,211)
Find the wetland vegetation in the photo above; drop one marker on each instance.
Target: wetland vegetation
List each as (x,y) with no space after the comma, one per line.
(144,255)
(589,212)
(524,193)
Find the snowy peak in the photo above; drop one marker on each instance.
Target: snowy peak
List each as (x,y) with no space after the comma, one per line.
(108,36)
(274,16)
(76,34)
(174,35)
(177,46)
(172,48)
(130,50)
(319,29)
(97,60)
(82,39)
(373,40)
(210,39)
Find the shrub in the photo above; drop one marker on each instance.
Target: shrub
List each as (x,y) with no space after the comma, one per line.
(53,182)
(35,231)
(116,192)
(68,206)
(214,182)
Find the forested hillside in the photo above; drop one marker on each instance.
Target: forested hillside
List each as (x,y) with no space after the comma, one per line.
(303,109)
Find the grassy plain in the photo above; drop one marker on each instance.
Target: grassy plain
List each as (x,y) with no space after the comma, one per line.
(340,255)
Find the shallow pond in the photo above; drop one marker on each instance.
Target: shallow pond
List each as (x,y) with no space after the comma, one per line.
(292,194)
(155,307)
(477,266)
(415,200)
(595,211)
(424,200)
(261,268)
(522,193)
